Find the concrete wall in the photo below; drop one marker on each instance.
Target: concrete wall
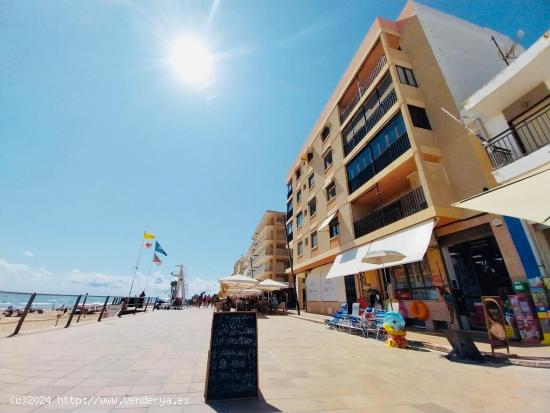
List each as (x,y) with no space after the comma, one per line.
(465,52)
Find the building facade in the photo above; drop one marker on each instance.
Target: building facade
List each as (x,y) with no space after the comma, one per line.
(511,112)
(384,165)
(267,256)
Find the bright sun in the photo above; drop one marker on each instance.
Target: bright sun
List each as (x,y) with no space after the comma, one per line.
(191,60)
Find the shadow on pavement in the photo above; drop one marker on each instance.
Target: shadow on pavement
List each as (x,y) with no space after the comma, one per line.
(244,406)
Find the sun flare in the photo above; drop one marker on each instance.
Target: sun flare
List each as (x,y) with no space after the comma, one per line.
(191,60)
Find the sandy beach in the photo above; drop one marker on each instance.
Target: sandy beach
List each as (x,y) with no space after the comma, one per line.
(48,319)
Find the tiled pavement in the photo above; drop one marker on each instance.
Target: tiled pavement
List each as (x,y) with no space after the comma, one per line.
(303,367)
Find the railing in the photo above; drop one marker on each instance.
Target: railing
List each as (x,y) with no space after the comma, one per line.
(406,205)
(344,113)
(282,251)
(394,151)
(371,121)
(523,139)
(23,312)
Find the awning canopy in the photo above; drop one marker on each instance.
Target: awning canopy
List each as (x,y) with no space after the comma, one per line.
(327,221)
(525,198)
(412,243)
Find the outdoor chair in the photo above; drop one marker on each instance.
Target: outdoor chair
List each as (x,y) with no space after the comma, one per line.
(333,322)
(379,320)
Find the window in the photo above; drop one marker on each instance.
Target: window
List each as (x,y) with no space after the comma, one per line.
(309,157)
(414,281)
(289,231)
(366,163)
(331,191)
(300,248)
(289,209)
(312,205)
(334,227)
(298,196)
(314,239)
(298,173)
(325,133)
(299,220)
(311,180)
(419,117)
(406,76)
(289,189)
(327,158)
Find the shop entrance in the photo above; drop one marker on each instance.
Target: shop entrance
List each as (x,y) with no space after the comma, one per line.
(351,293)
(479,270)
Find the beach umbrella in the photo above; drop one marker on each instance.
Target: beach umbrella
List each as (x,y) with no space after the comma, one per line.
(238,281)
(235,292)
(382,257)
(271,285)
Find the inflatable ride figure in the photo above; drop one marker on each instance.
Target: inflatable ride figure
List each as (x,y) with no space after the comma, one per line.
(394,324)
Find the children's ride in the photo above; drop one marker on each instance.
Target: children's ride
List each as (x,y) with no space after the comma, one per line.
(394,324)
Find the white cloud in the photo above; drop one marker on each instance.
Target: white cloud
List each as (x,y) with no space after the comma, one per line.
(29,254)
(97,279)
(15,269)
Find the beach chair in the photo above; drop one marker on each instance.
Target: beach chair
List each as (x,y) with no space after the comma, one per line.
(379,321)
(335,320)
(354,321)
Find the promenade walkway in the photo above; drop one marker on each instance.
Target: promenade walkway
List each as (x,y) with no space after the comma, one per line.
(304,367)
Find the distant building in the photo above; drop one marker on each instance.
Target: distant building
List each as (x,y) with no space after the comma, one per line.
(384,165)
(267,255)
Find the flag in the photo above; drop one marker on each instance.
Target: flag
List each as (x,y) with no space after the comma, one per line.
(146,235)
(148,245)
(159,249)
(156,259)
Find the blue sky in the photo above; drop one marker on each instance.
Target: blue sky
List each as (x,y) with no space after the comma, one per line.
(100,140)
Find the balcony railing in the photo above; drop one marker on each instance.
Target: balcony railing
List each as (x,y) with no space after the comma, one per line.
(394,151)
(406,205)
(372,120)
(523,139)
(282,251)
(344,113)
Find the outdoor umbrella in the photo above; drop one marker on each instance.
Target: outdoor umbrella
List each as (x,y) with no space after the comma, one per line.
(235,292)
(238,281)
(271,285)
(383,257)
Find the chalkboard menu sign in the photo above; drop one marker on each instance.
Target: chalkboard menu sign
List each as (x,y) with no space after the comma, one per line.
(494,318)
(233,357)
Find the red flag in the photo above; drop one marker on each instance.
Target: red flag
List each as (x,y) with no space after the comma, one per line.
(156,260)
(148,245)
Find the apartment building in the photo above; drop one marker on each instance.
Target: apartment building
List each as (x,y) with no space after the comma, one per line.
(511,112)
(384,165)
(267,256)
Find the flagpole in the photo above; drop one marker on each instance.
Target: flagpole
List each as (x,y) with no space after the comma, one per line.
(148,274)
(137,263)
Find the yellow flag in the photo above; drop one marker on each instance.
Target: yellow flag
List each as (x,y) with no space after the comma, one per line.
(146,235)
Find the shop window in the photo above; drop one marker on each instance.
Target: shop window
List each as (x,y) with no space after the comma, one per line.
(419,117)
(406,76)
(414,281)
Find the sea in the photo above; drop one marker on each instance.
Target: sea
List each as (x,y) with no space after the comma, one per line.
(44,301)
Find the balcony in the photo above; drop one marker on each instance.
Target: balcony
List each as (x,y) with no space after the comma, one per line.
(402,207)
(358,135)
(521,140)
(363,86)
(394,151)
